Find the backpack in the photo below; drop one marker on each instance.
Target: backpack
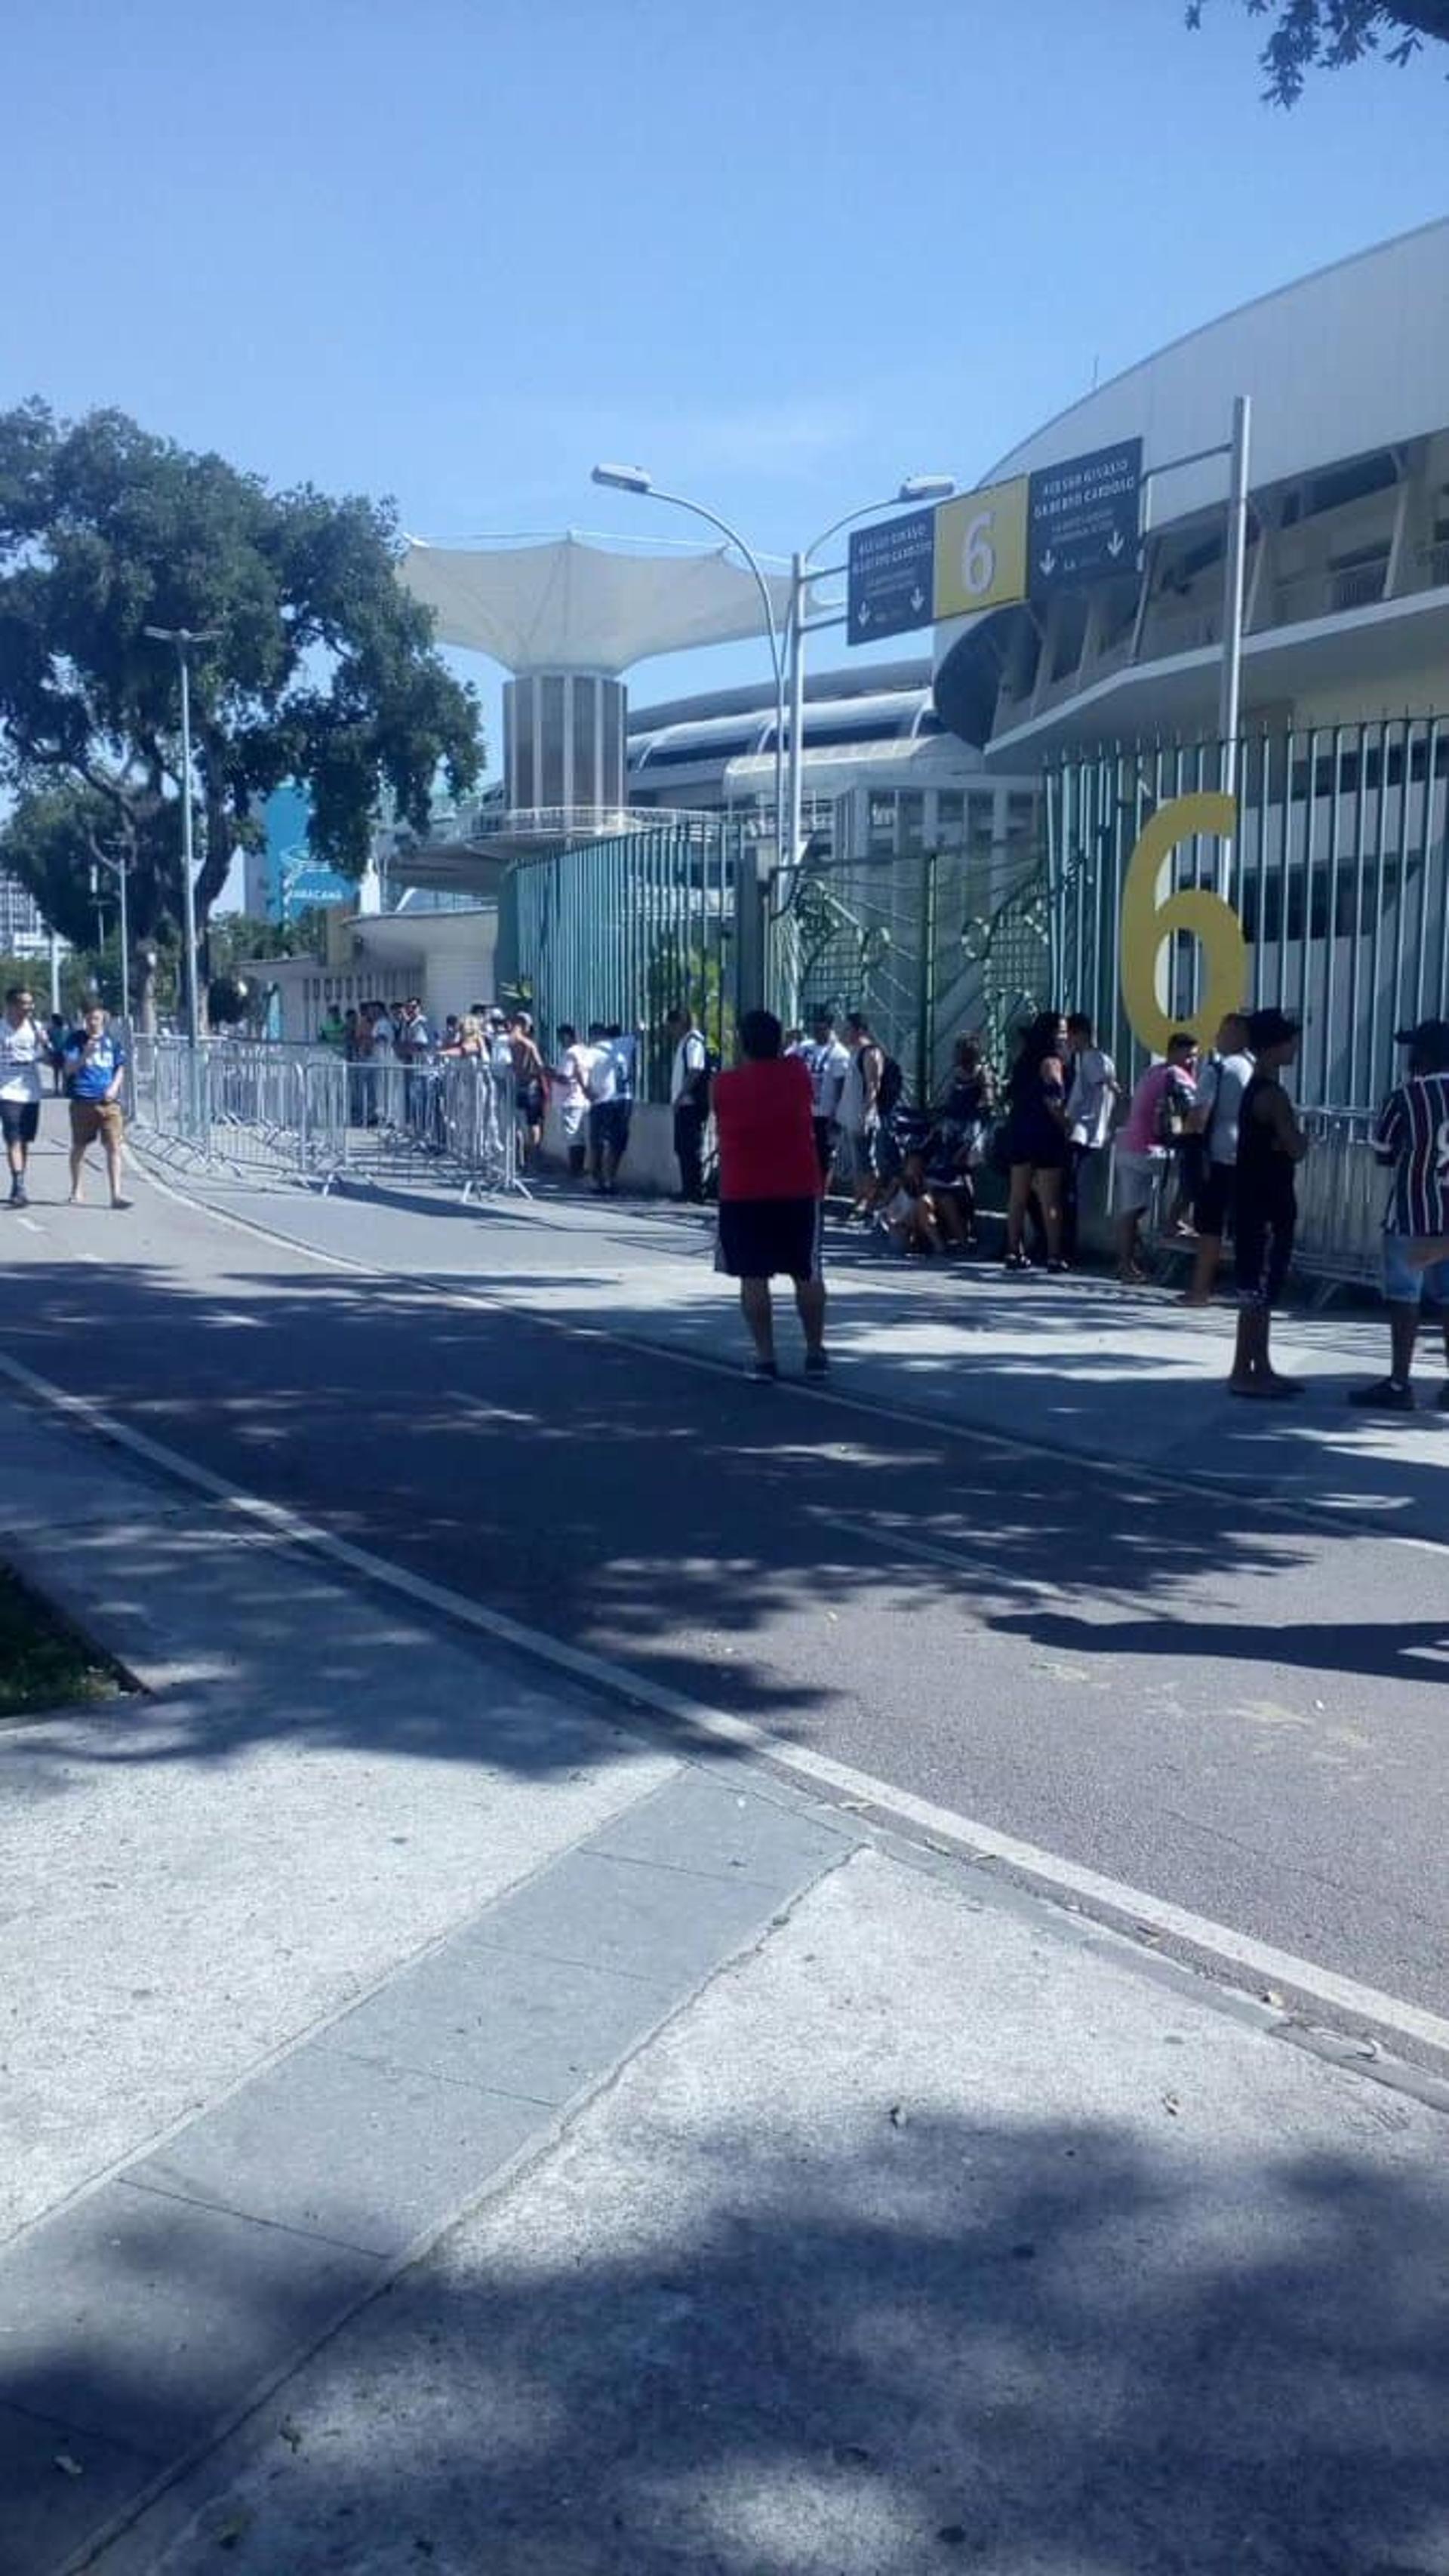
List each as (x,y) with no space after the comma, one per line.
(890,1087)
(1173,1107)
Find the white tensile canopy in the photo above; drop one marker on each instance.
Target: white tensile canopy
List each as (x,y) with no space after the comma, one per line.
(570,605)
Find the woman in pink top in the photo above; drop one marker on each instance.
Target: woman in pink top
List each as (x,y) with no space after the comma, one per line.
(1138,1151)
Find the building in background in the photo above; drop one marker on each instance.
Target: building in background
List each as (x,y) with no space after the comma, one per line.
(1346,611)
(282,878)
(22,931)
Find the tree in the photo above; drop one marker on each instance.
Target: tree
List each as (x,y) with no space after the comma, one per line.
(322,671)
(1324,35)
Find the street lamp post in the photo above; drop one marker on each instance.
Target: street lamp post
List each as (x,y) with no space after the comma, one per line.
(632,478)
(120,870)
(184,637)
(916,487)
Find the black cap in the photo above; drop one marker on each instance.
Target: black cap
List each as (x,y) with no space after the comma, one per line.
(1270,1028)
(1428,1037)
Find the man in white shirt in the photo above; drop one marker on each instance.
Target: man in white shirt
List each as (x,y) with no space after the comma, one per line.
(828,1063)
(611,1103)
(689,1100)
(23,1050)
(571,1073)
(1092,1092)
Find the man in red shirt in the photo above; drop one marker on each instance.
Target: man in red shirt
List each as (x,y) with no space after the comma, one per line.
(769,1190)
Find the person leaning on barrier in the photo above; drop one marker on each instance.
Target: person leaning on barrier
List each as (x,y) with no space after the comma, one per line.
(1412,1140)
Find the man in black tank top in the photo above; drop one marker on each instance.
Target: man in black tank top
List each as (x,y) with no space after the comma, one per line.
(1270,1146)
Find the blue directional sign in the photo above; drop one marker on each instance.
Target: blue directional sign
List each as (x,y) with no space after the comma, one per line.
(891,577)
(1084,518)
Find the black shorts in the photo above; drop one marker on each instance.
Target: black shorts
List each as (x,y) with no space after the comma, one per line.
(19,1121)
(609,1126)
(1212,1206)
(1264,1251)
(760,1238)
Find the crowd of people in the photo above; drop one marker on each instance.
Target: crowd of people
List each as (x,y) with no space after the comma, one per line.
(1207,1140)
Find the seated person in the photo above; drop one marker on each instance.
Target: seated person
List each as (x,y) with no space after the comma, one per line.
(909,1214)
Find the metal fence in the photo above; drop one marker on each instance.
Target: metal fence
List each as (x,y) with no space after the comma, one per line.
(1337,872)
(274,1114)
(618,931)
(930,947)
(1342,1191)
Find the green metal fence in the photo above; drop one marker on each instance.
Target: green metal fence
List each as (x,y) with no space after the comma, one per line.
(621,930)
(1337,872)
(931,946)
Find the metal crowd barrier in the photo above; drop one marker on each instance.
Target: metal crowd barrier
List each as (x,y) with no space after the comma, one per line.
(266,1111)
(1342,1192)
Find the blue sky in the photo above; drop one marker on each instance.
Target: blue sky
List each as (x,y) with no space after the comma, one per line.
(779,257)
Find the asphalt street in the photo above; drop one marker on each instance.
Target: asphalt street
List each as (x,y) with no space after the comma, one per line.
(1245,1717)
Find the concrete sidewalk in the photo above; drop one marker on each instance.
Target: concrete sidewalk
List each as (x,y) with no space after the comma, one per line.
(1080,1365)
(448,2129)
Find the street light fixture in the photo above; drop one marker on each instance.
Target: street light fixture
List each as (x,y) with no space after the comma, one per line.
(120,869)
(632,478)
(915,488)
(185,638)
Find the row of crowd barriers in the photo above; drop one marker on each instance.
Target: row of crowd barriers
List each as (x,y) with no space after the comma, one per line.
(1342,1194)
(269,1112)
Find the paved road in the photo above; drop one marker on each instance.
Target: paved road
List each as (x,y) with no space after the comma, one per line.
(1246,1721)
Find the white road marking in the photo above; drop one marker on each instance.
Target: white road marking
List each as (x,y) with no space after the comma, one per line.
(30,1225)
(1242,1959)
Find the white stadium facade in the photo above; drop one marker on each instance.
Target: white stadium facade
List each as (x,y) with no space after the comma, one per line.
(1347,590)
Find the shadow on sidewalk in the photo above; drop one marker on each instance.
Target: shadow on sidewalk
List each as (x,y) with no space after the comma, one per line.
(1038,2345)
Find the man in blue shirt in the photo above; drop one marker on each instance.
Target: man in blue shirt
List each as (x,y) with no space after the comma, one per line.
(95,1064)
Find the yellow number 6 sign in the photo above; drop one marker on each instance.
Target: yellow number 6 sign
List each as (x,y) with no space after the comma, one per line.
(1148,921)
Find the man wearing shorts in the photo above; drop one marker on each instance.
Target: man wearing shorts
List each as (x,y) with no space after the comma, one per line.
(1221,1085)
(770,1191)
(1139,1154)
(95,1064)
(1412,1137)
(23,1050)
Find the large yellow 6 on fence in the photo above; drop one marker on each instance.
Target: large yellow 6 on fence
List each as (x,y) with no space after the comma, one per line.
(1146,923)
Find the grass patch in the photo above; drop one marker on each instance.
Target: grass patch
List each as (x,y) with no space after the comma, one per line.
(44,1663)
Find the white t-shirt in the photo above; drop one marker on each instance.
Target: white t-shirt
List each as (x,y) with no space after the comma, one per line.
(23,1051)
(690,1058)
(829,1063)
(1089,1102)
(382,1036)
(578,1063)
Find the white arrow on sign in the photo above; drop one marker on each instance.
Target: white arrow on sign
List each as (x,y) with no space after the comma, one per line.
(862,615)
(1048,563)
(918,598)
(1114,544)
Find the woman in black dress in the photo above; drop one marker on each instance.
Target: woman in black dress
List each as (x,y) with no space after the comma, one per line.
(1036,1095)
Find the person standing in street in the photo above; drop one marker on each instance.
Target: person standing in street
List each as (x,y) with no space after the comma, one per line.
(95,1064)
(688,1100)
(1412,1139)
(1160,1105)
(859,1111)
(1091,1091)
(1036,1093)
(571,1074)
(1271,1145)
(827,1063)
(24,1048)
(1214,1122)
(770,1191)
(611,1104)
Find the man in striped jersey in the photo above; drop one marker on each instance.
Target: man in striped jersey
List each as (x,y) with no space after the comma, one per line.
(1413,1137)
